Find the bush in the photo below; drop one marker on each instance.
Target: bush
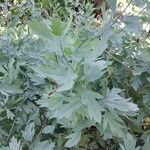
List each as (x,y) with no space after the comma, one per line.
(70,83)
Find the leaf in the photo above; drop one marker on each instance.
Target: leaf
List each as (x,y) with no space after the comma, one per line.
(132,24)
(98,49)
(48,129)
(29,132)
(82,124)
(56,27)
(10,114)
(146,146)
(67,81)
(44,145)
(136,82)
(129,143)
(112,4)
(114,123)
(14,144)
(68,51)
(86,34)
(95,70)
(94,111)
(139,3)
(91,50)
(115,101)
(52,103)
(68,109)
(11,88)
(39,28)
(146,54)
(63,77)
(93,106)
(73,139)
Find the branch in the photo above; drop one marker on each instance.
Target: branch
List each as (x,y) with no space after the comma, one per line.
(129,70)
(11,130)
(61,47)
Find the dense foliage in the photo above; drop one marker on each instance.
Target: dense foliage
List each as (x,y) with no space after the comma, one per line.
(70,83)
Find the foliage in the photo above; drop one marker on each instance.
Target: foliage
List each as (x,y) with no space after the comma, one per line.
(71,83)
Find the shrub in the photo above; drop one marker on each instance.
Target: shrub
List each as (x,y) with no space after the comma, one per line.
(70,84)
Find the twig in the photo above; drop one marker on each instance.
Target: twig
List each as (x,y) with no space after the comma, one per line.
(141,10)
(140,37)
(119,61)
(11,130)
(61,47)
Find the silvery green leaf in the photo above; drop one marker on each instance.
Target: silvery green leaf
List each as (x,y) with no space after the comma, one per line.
(112,4)
(10,114)
(139,3)
(83,123)
(14,144)
(67,81)
(89,95)
(44,145)
(132,24)
(12,88)
(73,139)
(86,33)
(114,123)
(68,109)
(54,46)
(65,78)
(56,27)
(89,98)
(115,101)
(95,70)
(98,49)
(146,145)
(48,129)
(41,29)
(146,54)
(29,131)
(129,143)
(90,51)
(136,82)
(94,111)
(53,102)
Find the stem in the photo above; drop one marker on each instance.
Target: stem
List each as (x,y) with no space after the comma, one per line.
(61,47)
(11,130)
(119,61)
